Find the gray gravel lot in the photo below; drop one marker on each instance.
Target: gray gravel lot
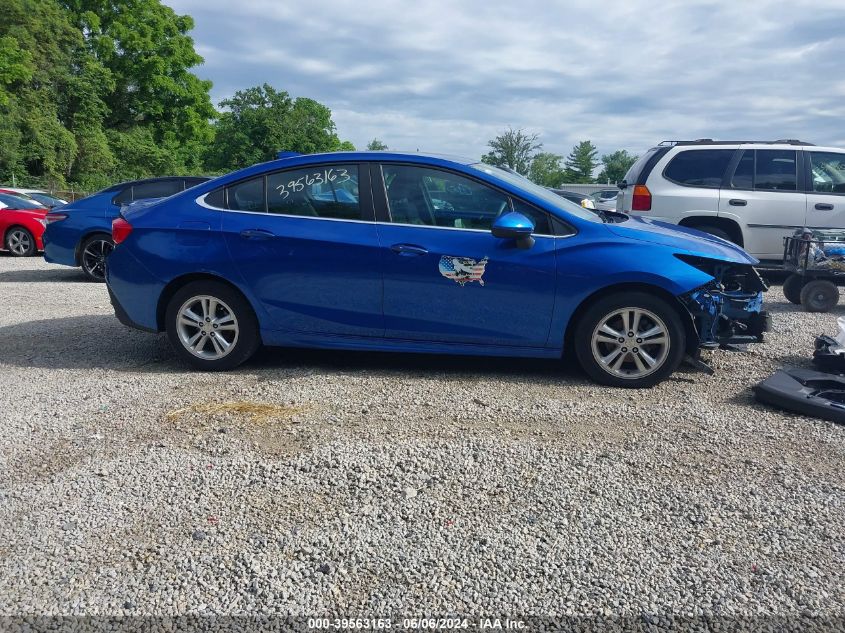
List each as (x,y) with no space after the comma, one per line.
(362,484)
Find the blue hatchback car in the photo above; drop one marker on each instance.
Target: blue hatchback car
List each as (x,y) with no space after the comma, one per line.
(421,253)
(79,233)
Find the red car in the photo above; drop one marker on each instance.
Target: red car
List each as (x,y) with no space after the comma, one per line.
(21,225)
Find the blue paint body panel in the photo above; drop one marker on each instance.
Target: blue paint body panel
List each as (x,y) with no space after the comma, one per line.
(85,217)
(373,285)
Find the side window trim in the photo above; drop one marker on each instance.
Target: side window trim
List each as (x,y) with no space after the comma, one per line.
(383,208)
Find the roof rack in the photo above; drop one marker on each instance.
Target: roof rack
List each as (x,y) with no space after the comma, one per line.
(710,141)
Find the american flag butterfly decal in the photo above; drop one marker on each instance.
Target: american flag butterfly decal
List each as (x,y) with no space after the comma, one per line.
(462,270)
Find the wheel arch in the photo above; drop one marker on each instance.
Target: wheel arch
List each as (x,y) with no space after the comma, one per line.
(731,227)
(176,284)
(692,338)
(77,252)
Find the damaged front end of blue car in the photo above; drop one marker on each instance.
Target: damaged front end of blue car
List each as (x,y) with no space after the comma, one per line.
(729,309)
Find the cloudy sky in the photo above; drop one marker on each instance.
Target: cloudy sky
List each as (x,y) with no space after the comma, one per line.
(448,75)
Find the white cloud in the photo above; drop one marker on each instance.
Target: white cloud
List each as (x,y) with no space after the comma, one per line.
(445,76)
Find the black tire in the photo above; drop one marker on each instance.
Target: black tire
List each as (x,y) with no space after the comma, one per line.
(20,242)
(715,230)
(819,295)
(244,342)
(792,288)
(92,256)
(599,312)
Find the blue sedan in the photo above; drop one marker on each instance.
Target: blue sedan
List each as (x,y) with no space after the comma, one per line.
(421,253)
(79,233)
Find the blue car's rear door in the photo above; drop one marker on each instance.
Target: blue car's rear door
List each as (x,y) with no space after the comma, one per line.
(446,278)
(306,245)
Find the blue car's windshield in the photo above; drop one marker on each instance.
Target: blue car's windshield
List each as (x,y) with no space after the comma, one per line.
(551,199)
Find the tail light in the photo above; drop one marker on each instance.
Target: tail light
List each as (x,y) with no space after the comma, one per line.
(55,217)
(120,230)
(641,199)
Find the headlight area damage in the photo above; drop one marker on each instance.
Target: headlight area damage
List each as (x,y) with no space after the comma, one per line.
(727,310)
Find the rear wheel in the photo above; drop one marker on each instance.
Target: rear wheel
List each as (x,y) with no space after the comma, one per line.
(629,340)
(20,242)
(819,295)
(211,326)
(93,253)
(792,288)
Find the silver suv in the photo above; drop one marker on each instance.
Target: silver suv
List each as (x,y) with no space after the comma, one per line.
(752,193)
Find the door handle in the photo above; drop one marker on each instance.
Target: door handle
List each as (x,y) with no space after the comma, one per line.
(736,202)
(821,206)
(256,234)
(408,249)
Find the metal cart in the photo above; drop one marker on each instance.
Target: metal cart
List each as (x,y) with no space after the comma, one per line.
(816,259)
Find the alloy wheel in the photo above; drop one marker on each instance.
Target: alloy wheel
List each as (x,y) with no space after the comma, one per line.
(207,327)
(631,343)
(20,242)
(94,257)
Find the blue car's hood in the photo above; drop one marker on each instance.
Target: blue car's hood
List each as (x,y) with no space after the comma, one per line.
(681,238)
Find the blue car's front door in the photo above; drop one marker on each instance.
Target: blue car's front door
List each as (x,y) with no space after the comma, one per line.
(446,278)
(305,243)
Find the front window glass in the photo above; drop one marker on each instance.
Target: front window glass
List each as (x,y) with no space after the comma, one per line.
(419,195)
(776,170)
(328,191)
(247,195)
(549,198)
(828,169)
(699,167)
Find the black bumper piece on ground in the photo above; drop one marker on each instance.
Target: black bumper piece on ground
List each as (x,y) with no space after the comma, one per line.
(812,393)
(121,315)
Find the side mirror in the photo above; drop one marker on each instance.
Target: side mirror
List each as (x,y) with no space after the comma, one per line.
(514,226)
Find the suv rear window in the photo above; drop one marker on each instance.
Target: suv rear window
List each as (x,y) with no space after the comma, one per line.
(634,172)
(699,167)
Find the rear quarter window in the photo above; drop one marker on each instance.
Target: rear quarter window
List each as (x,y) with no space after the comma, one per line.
(699,167)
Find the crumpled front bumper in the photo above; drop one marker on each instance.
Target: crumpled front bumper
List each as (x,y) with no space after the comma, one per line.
(729,315)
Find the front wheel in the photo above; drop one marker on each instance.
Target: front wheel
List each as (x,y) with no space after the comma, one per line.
(20,242)
(211,326)
(632,340)
(92,258)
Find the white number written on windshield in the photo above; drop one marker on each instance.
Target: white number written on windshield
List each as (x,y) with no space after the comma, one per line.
(331,175)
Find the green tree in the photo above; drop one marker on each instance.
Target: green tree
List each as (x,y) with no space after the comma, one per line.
(615,166)
(261,121)
(376,146)
(546,169)
(148,53)
(514,149)
(581,163)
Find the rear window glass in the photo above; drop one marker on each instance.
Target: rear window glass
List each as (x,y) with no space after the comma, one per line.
(160,189)
(776,170)
(699,168)
(247,195)
(634,172)
(327,191)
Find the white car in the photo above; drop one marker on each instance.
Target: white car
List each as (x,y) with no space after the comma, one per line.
(42,197)
(751,193)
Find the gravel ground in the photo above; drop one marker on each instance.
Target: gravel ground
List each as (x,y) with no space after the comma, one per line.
(311,483)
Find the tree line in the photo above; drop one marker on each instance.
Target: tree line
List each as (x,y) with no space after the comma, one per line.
(522,153)
(97,91)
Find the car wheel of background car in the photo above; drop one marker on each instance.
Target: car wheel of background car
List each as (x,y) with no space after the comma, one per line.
(211,326)
(629,340)
(714,230)
(792,288)
(819,295)
(20,242)
(93,255)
